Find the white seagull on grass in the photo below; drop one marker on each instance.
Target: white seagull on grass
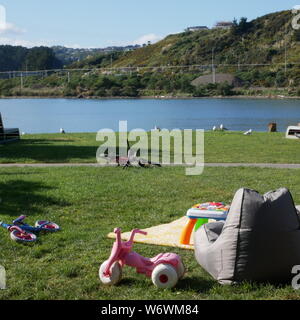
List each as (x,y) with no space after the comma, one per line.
(222,128)
(248,133)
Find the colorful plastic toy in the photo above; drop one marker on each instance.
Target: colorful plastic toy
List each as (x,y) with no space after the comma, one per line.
(199,215)
(22,232)
(165,269)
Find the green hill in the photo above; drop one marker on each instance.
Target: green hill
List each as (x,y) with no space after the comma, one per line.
(259,41)
(264,52)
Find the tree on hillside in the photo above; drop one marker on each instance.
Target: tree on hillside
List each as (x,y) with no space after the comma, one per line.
(41,58)
(242,27)
(16,58)
(11,57)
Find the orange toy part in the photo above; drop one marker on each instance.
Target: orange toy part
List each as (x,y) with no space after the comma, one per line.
(187,232)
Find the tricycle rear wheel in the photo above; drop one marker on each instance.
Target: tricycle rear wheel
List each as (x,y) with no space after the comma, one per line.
(164,276)
(49,226)
(180,270)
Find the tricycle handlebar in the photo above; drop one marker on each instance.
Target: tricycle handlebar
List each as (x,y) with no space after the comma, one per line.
(118,231)
(142,232)
(134,232)
(19,220)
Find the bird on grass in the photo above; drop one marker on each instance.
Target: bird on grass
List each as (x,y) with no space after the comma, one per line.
(214,128)
(222,128)
(62,131)
(148,164)
(248,133)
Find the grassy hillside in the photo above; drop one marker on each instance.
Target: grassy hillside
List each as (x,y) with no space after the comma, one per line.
(259,41)
(269,42)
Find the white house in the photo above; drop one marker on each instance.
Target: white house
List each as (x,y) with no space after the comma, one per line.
(223,25)
(197,28)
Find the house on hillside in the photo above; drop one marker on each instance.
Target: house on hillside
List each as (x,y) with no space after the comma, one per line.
(219,78)
(223,25)
(197,28)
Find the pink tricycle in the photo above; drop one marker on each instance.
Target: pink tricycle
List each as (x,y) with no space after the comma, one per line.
(165,269)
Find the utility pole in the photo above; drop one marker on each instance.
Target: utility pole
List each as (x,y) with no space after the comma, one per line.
(285,51)
(285,57)
(21,81)
(239,61)
(213,65)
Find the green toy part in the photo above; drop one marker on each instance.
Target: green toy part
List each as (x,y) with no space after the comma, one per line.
(200,223)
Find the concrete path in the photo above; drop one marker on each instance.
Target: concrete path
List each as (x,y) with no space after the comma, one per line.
(256,165)
(95,165)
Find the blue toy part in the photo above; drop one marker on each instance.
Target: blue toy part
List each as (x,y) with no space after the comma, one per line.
(200,214)
(4,225)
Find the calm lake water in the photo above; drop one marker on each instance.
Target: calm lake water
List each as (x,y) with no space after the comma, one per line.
(75,115)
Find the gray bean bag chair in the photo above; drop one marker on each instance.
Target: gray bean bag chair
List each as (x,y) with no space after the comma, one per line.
(259,241)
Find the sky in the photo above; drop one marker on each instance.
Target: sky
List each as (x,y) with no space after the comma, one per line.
(98,24)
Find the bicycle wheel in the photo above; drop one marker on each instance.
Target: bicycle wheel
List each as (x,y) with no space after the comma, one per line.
(47,226)
(19,236)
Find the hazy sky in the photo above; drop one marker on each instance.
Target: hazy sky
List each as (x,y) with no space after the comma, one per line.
(97,23)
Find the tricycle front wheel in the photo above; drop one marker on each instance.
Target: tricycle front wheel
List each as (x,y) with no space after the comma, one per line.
(115,274)
(25,237)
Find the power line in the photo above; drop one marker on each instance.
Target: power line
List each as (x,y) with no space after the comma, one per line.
(137,68)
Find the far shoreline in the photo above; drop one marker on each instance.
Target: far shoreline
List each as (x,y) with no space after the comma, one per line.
(267,97)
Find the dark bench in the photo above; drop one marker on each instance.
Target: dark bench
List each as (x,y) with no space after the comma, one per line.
(8,135)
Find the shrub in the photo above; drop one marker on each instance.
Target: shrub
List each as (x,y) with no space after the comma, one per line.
(114,92)
(129,91)
(100,93)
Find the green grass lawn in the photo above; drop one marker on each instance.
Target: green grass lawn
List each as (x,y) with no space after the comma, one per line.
(220,147)
(90,202)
